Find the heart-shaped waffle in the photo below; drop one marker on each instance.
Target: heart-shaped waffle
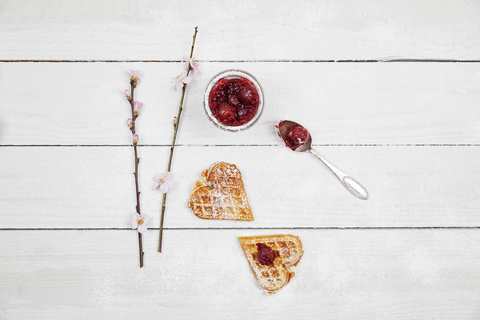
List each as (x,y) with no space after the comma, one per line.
(274,272)
(220,194)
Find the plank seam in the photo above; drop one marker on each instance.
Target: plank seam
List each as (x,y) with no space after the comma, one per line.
(406,60)
(252,228)
(251,145)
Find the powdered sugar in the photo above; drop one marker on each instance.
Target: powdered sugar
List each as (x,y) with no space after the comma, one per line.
(273,277)
(220,194)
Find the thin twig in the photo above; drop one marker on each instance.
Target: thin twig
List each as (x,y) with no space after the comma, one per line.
(177,123)
(137,160)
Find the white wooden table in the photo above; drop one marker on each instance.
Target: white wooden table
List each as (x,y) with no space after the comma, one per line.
(390,92)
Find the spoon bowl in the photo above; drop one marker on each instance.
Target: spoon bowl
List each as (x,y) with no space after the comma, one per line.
(284,129)
(297,138)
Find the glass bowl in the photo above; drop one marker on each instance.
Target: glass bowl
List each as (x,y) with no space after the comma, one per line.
(227,75)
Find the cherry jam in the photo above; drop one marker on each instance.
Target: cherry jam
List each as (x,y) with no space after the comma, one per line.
(265,254)
(233,102)
(297,136)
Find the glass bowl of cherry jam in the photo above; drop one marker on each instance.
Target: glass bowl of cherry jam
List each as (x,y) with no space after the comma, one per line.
(233,100)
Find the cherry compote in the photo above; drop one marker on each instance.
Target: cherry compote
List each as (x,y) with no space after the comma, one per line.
(233,102)
(265,254)
(297,136)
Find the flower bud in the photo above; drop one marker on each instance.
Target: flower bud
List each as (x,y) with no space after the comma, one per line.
(134,79)
(135,138)
(133,73)
(137,106)
(130,123)
(128,95)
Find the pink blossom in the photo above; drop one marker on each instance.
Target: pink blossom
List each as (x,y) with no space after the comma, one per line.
(140,222)
(127,95)
(193,64)
(130,123)
(135,138)
(133,73)
(134,79)
(163,181)
(181,80)
(137,106)
(195,72)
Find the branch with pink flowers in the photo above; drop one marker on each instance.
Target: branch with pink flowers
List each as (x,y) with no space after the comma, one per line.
(139,220)
(182,81)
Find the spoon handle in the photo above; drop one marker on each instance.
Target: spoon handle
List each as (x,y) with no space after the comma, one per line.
(348,182)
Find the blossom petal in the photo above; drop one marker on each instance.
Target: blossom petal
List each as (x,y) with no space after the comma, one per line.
(186,64)
(132,72)
(187,79)
(135,220)
(142,228)
(164,188)
(179,86)
(195,72)
(146,219)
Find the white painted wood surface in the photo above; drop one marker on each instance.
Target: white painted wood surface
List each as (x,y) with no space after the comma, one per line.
(387,103)
(91,187)
(344,274)
(149,30)
(409,131)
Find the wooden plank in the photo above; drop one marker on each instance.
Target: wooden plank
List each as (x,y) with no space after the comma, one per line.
(93,187)
(148,30)
(202,274)
(340,103)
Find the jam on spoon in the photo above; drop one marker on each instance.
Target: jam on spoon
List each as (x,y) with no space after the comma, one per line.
(297,138)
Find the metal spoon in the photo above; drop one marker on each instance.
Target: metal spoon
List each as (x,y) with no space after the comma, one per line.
(348,182)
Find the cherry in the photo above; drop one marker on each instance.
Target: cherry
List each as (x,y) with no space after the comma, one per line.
(265,255)
(247,94)
(299,135)
(226,112)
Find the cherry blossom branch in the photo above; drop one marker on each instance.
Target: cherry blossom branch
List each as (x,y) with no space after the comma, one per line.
(176,125)
(139,221)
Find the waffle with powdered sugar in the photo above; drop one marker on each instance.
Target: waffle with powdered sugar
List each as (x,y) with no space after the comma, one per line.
(288,251)
(220,194)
